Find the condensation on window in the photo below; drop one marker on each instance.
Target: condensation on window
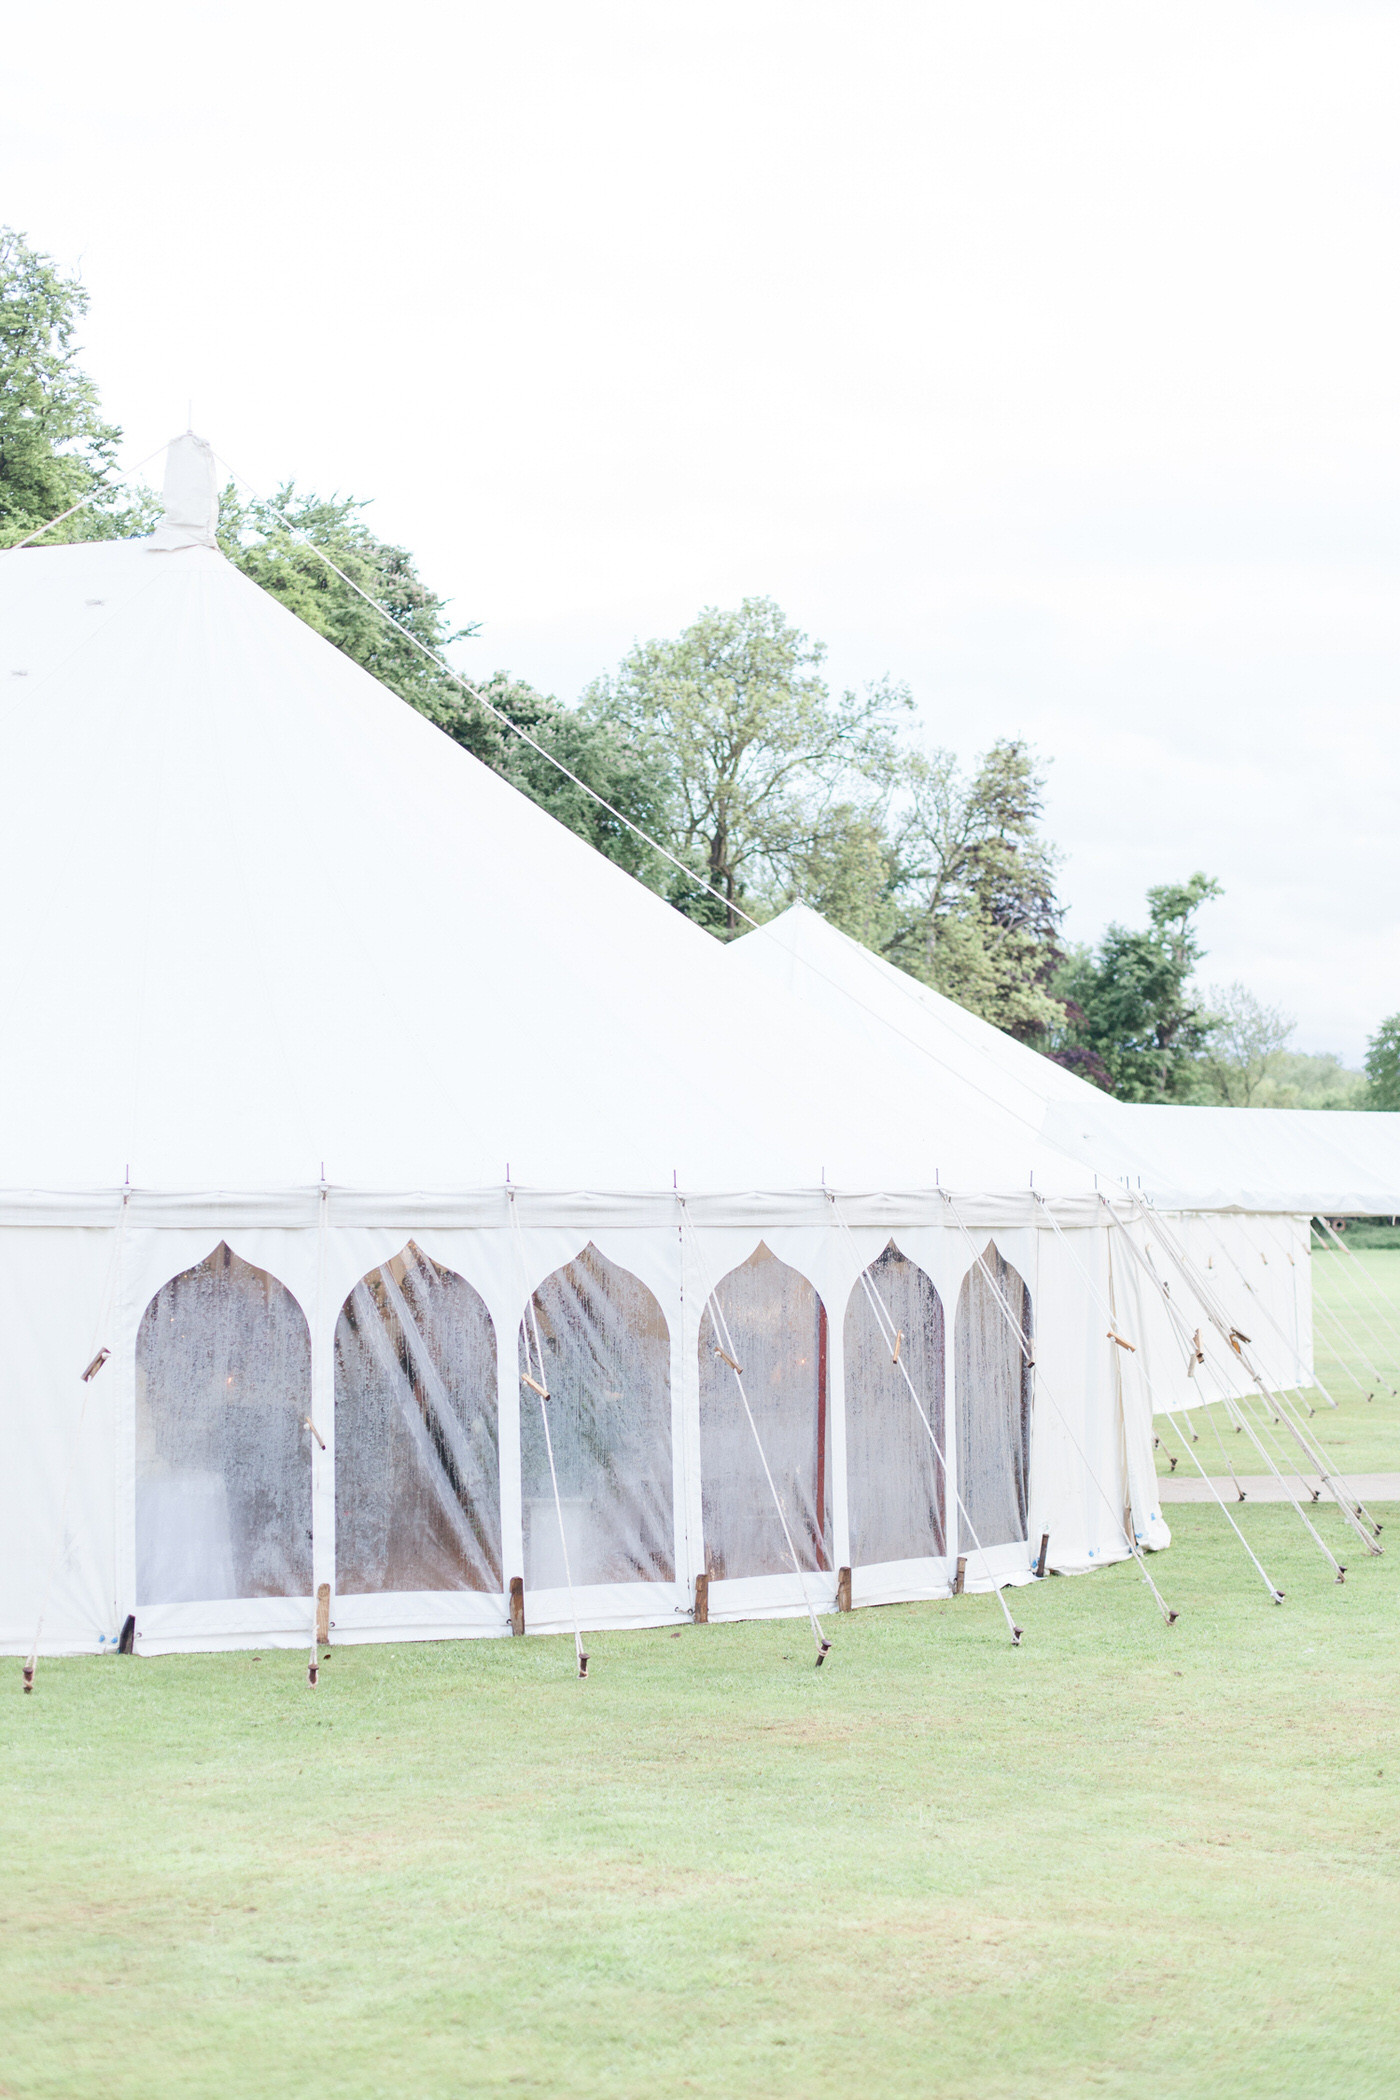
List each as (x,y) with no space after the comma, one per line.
(993,1380)
(223,1453)
(895,1480)
(607,1371)
(777,1324)
(417,1476)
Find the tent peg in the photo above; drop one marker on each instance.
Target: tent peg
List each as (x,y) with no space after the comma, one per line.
(822,1653)
(27,1676)
(583,1662)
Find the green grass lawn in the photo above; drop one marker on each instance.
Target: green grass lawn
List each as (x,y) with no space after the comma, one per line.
(1120,1859)
(1360,1435)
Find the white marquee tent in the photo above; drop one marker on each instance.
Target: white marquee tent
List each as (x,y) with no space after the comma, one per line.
(350,1100)
(1234,1189)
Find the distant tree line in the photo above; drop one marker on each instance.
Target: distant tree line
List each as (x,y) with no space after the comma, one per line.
(726,745)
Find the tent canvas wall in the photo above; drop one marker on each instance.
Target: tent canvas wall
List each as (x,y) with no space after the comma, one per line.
(1240,1220)
(344,1086)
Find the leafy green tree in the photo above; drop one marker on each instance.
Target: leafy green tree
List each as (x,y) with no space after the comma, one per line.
(973,887)
(269,543)
(777,793)
(1310,1079)
(628,779)
(1383,1065)
(56,447)
(768,778)
(1245,1039)
(1129,1003)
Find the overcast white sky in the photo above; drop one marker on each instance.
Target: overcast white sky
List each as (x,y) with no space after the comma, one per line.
(1042,355)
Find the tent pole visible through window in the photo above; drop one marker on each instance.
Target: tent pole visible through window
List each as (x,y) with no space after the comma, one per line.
(821,1434)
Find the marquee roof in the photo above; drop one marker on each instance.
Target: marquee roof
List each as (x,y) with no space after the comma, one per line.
(1184,1158)
(262,916)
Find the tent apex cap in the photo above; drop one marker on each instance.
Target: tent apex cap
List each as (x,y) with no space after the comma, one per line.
(190,495)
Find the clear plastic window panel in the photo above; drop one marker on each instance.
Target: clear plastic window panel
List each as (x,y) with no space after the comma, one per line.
(993,1377)
(223,1454)
(607,1370)
(894,1477)
(417,1474)
(777,1324)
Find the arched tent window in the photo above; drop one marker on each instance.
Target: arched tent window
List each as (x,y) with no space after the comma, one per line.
(994,1403)
(223,1454)
(893,1474)
(417,1479)
(778,1327)
(607,1370)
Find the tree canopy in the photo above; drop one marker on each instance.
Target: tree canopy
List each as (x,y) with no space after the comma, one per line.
(275,544)
(1128,1003)
(973,887)
(778,792)
(56,446)
(727,746)
(1243,1044)
(1383,1065)
(765,771)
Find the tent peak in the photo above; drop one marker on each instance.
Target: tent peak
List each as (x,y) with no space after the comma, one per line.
(191,496)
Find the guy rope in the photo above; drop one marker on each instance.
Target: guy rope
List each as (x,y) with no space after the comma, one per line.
(1168,1615)
(893,1338)
(729,1355)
